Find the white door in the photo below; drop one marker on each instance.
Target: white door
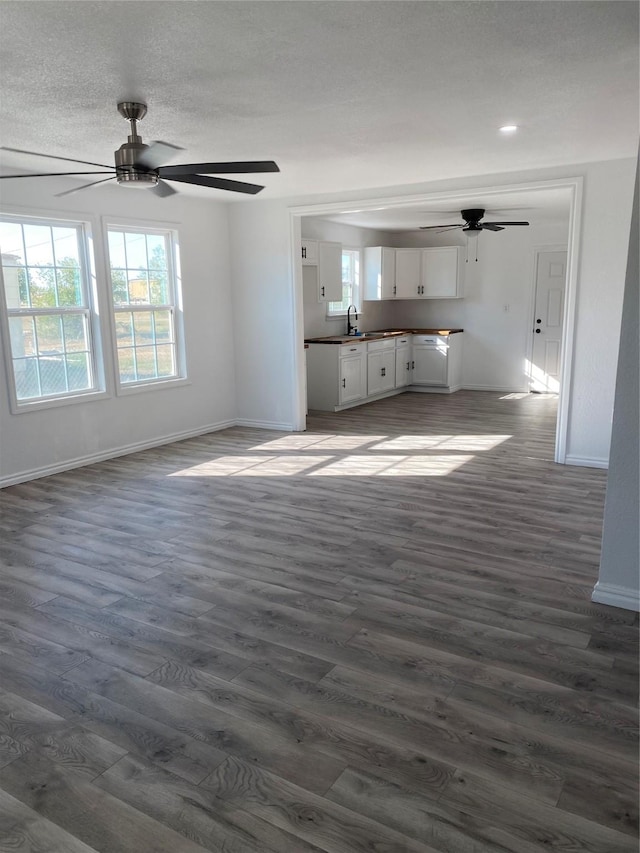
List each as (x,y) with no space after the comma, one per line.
(403,366)
(352,379)
(408,273)
(551,274)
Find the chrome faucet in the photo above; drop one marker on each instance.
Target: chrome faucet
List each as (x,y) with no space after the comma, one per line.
(350,327)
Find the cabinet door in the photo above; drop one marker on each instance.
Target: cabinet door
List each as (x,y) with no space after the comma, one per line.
(430,365)
(442,272)
(329,272)
(381,374)
(408,284)
(353,379)
(403,366)
(309,252)
(379,273)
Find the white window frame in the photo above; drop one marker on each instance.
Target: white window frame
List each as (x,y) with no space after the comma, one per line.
(89,310)
(355,290)
(174,306)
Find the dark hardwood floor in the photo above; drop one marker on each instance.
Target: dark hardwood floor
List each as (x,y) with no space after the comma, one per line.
(373,636)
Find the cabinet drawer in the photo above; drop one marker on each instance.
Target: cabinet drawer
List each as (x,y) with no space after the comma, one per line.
(386,343)
(431,340)
(349,350)
(402,342)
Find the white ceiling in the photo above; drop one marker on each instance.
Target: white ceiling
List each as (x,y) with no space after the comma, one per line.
(343,95)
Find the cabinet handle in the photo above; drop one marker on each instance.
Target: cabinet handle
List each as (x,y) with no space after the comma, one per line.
(322,289)
(344,383)
(407,365)
(394,289)
(304,251)
(383,371)
(413,365)
(353,349)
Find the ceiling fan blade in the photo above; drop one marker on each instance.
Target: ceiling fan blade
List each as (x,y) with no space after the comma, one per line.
(163,189)
(433,227)
(217,183)
(157,152)
(484,224)
(53,157)
(491,226)
(85,186)
(53,174)
(241,167)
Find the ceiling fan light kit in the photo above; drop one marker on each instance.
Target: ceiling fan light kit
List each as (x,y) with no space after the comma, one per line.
(139,166)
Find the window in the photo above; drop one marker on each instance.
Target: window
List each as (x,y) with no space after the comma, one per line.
(350,284)
(49,311)
(144,288)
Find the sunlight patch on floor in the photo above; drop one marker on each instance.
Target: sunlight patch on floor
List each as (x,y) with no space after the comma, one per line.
(313,441)
(442,442)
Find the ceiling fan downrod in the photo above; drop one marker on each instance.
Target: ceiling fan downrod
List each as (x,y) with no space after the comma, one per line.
(129,173)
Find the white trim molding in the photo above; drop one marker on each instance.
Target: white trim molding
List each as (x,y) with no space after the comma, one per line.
(586,462)
(280,427)
(616,596)
(90,459)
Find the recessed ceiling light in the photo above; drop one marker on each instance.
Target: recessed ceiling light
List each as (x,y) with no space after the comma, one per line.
(509,128)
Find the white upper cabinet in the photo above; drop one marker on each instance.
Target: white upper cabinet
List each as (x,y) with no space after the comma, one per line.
(379,272)
(442,272)
(435,273)
(329,272)
(309,252)
(327,259)
(408,282)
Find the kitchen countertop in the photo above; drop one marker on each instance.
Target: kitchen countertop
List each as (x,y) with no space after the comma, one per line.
(379,334)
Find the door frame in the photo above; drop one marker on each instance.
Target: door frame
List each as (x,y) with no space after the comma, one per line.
(573,185)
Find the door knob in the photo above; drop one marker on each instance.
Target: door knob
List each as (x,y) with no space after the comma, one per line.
(537,331)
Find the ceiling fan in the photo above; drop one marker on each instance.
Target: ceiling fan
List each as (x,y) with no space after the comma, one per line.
(473,223)
(138,164)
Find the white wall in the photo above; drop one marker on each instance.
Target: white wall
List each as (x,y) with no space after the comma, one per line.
(619,579)
(55,438)
(260,248)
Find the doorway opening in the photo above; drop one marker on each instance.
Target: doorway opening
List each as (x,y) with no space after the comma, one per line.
(515,318)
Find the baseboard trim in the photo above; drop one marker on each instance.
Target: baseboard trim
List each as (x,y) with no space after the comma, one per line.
(275,425)
(586,462)
(500,389)
(90,459)
(616,596)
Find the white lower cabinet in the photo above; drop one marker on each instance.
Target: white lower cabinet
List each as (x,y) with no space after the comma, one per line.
(381,372)
(437,361)
(404,370)
(336,375)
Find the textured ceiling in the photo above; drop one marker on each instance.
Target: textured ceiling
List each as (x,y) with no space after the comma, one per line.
(343,95)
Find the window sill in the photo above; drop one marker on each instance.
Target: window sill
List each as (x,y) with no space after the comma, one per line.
(23,406)
(154,385)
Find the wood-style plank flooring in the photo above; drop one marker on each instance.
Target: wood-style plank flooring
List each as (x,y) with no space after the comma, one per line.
(376,635)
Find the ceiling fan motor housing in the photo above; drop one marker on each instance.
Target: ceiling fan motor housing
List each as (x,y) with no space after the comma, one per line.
(129,174)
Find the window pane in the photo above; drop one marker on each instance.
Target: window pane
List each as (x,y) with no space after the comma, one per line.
(78,371)
(53,375)
(75,333)
(138,287)
(164,331)
(127,365)
(49,333)
(37,240)
(27,378)
(143,328)
(65,246)
(166,362)
(16,290)
(22,336)
(42,287)
(117,257)
(136,246)
(158,288)
(156,248)
(146,362)
(69,287)
(119,287)
(124,329)
(11,244)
